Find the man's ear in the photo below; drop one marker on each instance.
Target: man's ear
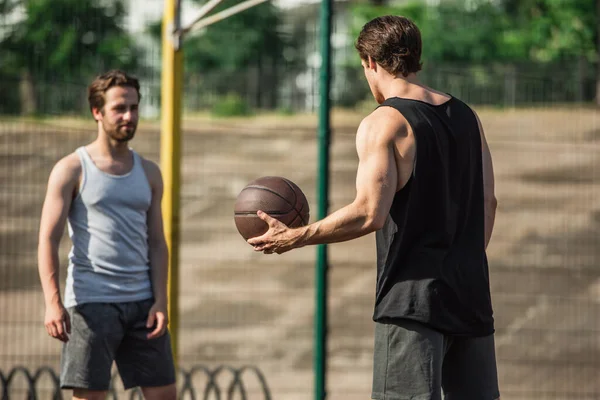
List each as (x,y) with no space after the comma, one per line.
(372,64)
(97,113)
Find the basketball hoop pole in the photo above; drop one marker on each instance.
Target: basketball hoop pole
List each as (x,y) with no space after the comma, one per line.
(170,135)
(170,155)
(202,22)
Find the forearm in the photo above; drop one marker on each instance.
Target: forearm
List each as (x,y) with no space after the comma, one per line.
(48,266)
(347,223)
(159,267)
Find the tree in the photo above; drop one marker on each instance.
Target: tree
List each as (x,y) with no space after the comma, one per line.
(555,29)
(218,58)
(507,30)
(452,31)
(559,32)
(237,40)
(546,33)
(59,41)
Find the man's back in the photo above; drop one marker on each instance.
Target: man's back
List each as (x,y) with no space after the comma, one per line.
(432,265)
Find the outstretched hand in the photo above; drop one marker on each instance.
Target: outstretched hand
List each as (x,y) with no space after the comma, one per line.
(278,239)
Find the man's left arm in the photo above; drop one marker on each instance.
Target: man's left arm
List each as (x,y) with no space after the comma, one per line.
(158,254)
(376,184)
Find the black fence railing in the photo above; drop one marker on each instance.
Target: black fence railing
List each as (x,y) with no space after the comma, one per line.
(219,383)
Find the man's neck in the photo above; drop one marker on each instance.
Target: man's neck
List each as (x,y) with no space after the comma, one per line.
(110,148)
(400,86)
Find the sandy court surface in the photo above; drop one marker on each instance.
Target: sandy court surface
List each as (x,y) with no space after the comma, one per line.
(240,308)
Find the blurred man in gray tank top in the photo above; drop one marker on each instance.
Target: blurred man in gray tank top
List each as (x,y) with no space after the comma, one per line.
(115,299)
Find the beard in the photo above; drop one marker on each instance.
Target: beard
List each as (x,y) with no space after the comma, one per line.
(121,133)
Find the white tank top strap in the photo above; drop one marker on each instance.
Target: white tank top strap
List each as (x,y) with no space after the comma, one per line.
(137,160)
(84,160)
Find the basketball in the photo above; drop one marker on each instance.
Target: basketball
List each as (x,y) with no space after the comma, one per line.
(279,197)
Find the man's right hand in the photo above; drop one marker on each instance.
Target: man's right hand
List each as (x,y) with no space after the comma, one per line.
(58,322)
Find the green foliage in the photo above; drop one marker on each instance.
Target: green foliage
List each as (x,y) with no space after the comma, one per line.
(67,39)
(285,111)
(56,46)
(236,40)
(231,105)
(552,30)
(496,31)
(233,43)
(451,31)
(363,13)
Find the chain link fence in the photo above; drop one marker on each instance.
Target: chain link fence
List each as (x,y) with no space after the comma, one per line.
(238,308)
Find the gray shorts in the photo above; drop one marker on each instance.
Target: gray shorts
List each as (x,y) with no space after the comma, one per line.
(415,362)
(105,332)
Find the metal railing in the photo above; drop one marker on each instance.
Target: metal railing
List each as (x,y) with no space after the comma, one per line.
(212,390)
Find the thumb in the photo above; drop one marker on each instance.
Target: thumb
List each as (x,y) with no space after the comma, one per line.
(266,217)
(151,319)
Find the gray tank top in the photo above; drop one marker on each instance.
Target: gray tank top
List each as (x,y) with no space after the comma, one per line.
(109,261)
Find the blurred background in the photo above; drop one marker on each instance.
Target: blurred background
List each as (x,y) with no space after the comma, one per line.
(530,68)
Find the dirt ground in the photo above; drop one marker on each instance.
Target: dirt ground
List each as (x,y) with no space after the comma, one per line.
(240,308)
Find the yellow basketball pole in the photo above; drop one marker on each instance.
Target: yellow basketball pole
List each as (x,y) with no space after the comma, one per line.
(170,155)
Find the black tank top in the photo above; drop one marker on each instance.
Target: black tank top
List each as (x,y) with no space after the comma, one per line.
(431,260)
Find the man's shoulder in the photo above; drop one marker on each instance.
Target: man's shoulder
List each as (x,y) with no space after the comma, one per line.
(386,121)
(149,166)
(152,170)
(69,164)
(66,172)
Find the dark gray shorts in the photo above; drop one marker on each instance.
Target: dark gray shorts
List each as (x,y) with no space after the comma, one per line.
(415,362)
(105,332)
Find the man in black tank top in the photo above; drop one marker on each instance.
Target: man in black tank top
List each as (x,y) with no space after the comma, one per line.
(425,185)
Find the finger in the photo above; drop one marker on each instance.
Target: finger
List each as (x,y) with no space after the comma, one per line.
(51,330)
(68,323)
(155,332)
(164,326)
(255,241)
(262,248)
(60,330)
(151,320)
(66,332)
(159,326)
(160,320)
(61,333)
(268,219)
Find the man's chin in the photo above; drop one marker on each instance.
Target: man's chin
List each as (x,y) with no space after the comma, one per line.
(124,138)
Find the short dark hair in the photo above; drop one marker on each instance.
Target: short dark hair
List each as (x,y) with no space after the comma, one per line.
(394,42)
(99,86)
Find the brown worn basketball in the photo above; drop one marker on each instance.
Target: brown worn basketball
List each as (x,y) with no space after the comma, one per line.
(279,197)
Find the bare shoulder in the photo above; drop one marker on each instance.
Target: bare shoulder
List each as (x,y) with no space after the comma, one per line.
(67,169)
(150,166)
(479,124)
(152,171)
(384,123)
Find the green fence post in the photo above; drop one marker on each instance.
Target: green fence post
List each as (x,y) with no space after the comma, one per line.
(320,355)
